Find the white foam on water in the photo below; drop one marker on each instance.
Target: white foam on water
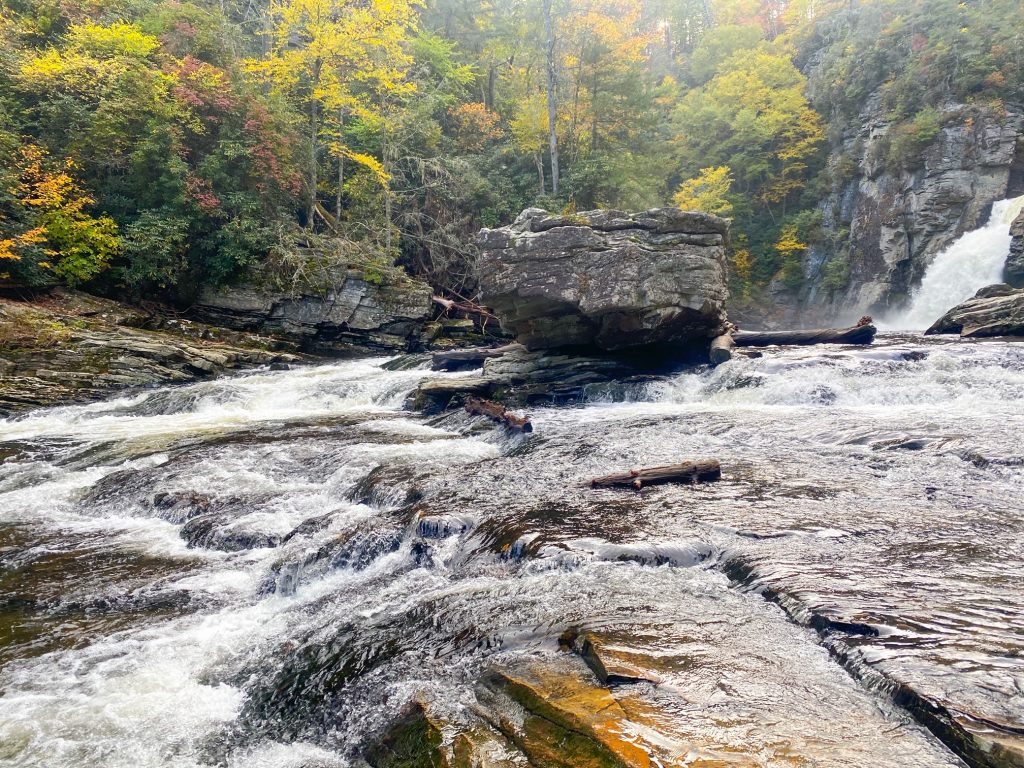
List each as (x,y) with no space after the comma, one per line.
(152,695)
(229,404)
(974,260)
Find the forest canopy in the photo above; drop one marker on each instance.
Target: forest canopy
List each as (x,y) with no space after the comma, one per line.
(158,146)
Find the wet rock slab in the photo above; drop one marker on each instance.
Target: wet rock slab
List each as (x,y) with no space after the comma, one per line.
(77,348)
(995,310)
(524,377)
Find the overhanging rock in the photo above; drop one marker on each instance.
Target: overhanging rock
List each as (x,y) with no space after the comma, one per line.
(607,280)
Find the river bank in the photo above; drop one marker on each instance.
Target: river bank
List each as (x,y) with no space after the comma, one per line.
(69,347)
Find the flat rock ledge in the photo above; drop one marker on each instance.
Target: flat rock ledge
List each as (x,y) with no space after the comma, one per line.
(519,376)
(607,280)
(74,348)
(351,316)
(996,310)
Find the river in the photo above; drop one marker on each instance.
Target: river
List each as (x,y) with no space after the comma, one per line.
(263,570)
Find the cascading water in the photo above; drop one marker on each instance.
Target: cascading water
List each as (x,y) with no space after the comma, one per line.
(264,570)
(974,260)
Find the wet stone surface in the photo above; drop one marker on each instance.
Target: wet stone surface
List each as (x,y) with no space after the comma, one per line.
(288,569)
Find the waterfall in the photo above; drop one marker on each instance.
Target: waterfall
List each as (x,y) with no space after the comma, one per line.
(973,261)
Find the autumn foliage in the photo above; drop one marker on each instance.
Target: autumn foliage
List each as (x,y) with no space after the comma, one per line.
(164,145)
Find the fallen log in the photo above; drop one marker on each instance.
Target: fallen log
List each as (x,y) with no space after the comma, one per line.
(685,472)
(862,333)
(499,413)
(464,359)
(721,347)
(465,306)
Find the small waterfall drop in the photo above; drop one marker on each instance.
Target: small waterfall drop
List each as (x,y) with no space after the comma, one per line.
(973,261)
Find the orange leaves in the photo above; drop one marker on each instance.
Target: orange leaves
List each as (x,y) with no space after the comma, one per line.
(474,125)
(56,229)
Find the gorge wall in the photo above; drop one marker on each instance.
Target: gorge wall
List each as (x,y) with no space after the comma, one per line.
(885,224)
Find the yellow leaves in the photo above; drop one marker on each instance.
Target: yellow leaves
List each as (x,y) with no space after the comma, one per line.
(530,125)
(743,263)
(474,125)
(44,67)
(76,245)
(706,192)
(117,39)
(789,242)
(369,162)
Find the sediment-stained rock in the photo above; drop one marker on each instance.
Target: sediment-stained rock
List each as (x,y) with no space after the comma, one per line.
(559,718)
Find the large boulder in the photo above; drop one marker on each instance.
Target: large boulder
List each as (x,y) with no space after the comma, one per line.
(1014,270)
(351,315)
(996,310)
(607,280)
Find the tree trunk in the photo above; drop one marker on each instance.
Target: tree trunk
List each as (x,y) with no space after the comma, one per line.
(540,170)
(862,333)
(684,472)
(721,348)
(492,76)
(341,166)
(549,28)
(314,129)
(593,110)
(314,144)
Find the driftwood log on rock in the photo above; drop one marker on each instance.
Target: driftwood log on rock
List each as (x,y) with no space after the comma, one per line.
(684,472)
(465,359)
(464,306)
(499,413)
(861,333)
(721,346)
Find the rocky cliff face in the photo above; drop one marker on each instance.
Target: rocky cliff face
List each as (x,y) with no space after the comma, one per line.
(1014,273)
(606,280)
(353,316)
(898,219)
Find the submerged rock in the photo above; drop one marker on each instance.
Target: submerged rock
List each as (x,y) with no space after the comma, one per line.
(996,310)
(607,280)
(352,315)
(414,741)
(613,663)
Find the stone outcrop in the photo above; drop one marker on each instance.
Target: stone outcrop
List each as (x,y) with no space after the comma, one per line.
(606,280)
(521,377)
(73,348)
(352,316)
(899,219)
(1014,271)
(996,310)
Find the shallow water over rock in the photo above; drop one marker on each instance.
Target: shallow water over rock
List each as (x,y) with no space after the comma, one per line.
(267,570)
